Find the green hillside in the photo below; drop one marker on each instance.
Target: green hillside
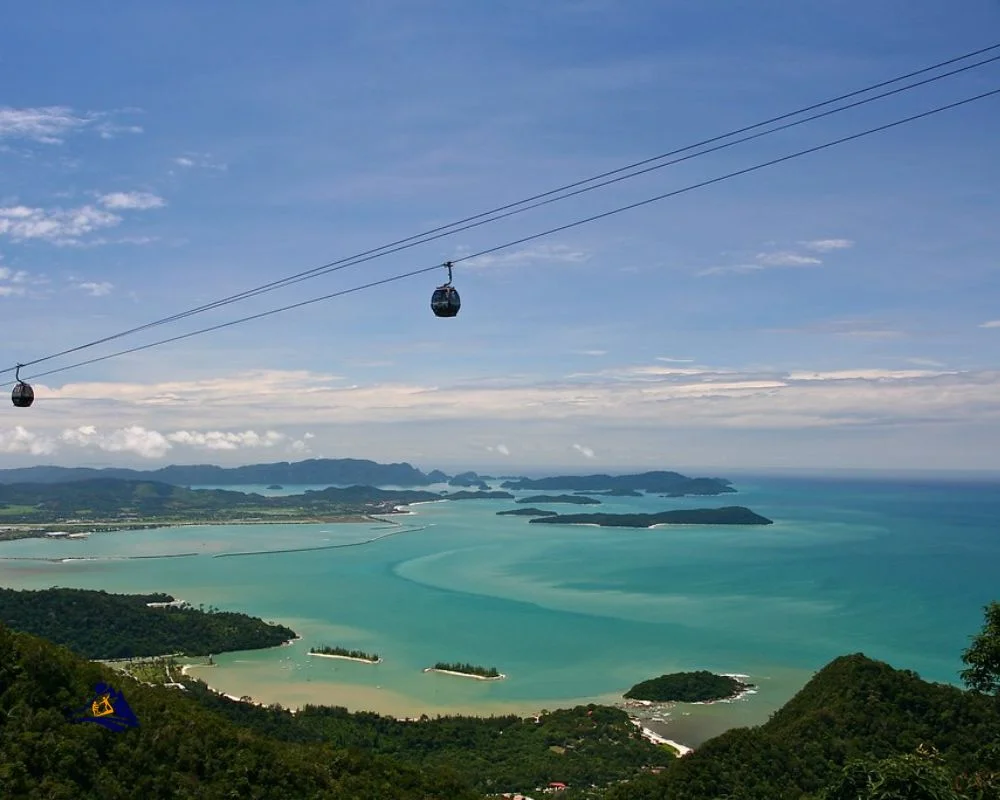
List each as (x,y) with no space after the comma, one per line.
(179,750)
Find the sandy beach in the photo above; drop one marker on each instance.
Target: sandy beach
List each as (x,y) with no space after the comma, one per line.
(499,677)
(346,658)
(655,738)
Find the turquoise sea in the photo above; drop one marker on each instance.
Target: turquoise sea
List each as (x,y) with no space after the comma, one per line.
(899,570)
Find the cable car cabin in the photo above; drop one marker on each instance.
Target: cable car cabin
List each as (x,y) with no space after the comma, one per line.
(445,301)
(22,395)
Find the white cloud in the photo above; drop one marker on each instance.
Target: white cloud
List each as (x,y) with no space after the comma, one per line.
(46,124)
(20,440)
(780,258)
(201,160)
(826,245)
(149,443)
(586,452)
(735,268)
(865,374)
(51,124)
(993,323)
(221,440)
(543,253)
(57,225)
(96,289)
(135,200)
(590,352)
(675,360)
(132,439)
(640,397)
(108,130)
(786,259)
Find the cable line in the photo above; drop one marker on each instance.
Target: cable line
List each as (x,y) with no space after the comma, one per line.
(548,232)
(521,206)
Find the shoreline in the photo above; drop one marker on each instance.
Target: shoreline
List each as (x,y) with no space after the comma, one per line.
(346,658)
(499,677)
(652,736)
(40,530)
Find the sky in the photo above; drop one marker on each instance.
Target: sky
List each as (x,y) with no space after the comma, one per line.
(838,310)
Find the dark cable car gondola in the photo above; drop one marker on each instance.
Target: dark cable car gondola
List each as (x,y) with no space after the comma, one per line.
(445,301)
(23,395)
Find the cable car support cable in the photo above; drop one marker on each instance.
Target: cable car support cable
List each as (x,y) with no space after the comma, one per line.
(539,235)
(523,205)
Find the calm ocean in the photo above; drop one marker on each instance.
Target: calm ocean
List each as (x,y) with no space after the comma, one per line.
(898,570)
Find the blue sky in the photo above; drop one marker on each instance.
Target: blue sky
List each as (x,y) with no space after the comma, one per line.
(840,310)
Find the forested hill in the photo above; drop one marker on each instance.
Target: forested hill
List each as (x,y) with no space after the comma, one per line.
(657,482)
(180,749)
(97,624)
(314,471)
(854,708)
(112,498)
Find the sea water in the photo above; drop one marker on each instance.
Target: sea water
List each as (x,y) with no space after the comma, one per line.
(898,570)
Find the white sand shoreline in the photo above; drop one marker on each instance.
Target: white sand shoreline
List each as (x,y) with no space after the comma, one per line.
(499,677)
(346,658)
(655,738)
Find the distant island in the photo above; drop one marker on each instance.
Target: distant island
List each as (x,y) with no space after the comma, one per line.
(312,471)
(729,515)
(560,498)
(526,512)
(465,495)
(469,479)
(688,687)
(612,492)
(275,487)
(658,482)
(347,655)
(468,670)
(35,509)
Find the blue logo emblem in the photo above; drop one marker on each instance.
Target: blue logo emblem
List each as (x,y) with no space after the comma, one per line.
(108,708)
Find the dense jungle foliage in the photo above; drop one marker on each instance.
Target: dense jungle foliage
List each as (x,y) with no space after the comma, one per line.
(579,746)
(687,687)
(97,624)
(180,749)
(859,730)
(858,723)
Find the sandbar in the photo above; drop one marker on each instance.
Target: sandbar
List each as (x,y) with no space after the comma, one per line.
(499,677)
(346,658)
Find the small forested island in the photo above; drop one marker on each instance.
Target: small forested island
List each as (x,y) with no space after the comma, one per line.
(343,652)
(97,624)
(526,512)
(688,687)
(467,495)
(728,515)
(470,670)
(275,487)
(657,482)
(612,492)
(560,498)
